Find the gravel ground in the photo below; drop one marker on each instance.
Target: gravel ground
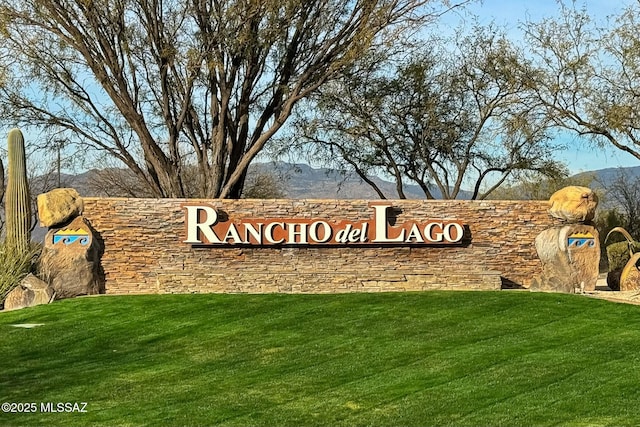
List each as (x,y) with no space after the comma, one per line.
(603,291)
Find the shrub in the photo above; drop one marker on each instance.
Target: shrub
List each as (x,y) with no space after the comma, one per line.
(14,266)
(618,254)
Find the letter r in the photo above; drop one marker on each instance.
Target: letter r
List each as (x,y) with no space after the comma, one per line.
(194,226)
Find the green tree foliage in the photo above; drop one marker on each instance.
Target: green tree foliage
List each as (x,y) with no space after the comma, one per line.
(588,74)
(534,186)
(620,251)
(451,115)
(161,85)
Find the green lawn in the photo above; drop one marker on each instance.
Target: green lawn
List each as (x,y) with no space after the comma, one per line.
(412,359)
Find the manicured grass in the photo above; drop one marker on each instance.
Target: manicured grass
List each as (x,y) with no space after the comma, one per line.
(415,359)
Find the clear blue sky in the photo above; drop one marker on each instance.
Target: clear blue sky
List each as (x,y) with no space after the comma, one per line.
(510,13)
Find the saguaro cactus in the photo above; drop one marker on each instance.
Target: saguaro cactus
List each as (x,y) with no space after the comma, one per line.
(1,180)
(18,203)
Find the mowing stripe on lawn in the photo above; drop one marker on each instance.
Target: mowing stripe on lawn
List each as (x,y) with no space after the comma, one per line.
(435,358)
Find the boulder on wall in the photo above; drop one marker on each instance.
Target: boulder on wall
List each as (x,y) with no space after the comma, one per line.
(70,260)
(30,292)
(59,206)
(574,204)
(570,258)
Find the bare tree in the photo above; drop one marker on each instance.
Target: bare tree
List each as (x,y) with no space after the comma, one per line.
(116,182)
(624,194)
(264,185)
(164,84)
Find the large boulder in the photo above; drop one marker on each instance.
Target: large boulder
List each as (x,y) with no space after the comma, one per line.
(574,204)
(70,260)
(59,206)
(30,292)
(570,258)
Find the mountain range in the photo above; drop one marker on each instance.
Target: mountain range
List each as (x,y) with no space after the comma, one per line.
(301,181)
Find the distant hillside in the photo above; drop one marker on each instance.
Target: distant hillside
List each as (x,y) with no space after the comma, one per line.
(604,177)
(301,181)
(298,181)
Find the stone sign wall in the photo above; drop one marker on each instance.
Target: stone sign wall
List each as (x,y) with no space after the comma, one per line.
(145,249)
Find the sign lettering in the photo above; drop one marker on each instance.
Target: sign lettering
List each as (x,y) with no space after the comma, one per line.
(205,227)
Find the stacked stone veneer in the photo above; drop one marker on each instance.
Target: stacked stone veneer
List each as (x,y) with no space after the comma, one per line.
(144,250)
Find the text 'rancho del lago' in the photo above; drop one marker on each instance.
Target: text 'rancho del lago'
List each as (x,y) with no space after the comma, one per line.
(206,226)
